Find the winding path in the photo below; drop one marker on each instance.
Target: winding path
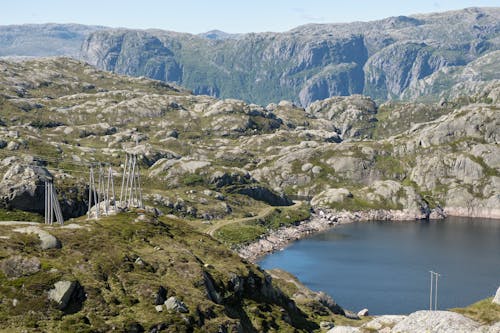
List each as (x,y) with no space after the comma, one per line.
(262,214)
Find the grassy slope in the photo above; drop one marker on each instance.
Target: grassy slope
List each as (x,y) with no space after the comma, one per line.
(483,311)
(120,288)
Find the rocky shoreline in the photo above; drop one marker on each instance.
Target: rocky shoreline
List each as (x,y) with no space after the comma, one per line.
(322,220)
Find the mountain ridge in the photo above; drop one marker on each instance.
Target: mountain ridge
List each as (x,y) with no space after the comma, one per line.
(312,62)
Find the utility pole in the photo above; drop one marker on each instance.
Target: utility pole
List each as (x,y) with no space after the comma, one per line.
(52,205)
(131,192)
(93,194)
(434,293)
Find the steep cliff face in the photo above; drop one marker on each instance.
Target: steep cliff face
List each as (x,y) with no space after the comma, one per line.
(381,59)
(258,67)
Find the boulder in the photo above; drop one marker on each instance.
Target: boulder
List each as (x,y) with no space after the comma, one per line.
(329,302)
(436,321)
(379,323)
(62,293)
(363,313)
(47,241)
(333,195)
(306,167)
(326,325)
(13,145)
(173,304)
(496,299)
(17,266)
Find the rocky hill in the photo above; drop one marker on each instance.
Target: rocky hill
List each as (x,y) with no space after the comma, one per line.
(209,159)
(215,167)
(395,58)
(41,40)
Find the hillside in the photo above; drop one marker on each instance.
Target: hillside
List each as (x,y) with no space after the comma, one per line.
(394,58)
(209,167)
(122,269)
(210,159)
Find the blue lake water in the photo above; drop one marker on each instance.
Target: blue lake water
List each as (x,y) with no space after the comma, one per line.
(384,266)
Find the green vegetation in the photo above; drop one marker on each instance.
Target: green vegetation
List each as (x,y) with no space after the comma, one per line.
(19,215)
(121,262)
(252,228)
(240,233)
(484,311)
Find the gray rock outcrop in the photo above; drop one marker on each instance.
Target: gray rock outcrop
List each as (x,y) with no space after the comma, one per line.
(17,266)
(22,186)
(382,58)
(174,304)
(383,322)
(435,322)
(496,298)
(47,241)
(363,313)
(264,194)
(62,292)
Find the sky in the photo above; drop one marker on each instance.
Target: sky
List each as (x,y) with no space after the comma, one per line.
(234,16)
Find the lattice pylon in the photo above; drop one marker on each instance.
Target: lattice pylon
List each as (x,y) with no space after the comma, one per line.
(131,192)
(52,205)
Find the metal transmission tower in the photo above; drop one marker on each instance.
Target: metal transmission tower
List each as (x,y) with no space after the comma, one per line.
(131,192)
(52,205)
(100,194)
(434,293)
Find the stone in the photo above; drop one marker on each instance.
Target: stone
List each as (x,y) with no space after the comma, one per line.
(12,145)
(316,170)
(333,195)
(363,313)
(381,322)
(62,292)
(174,304)
(436,321)
(17,266)
(306,167)
(496,299)
(329,302)
(351,315)
(494,328)
(47,241)
(326,325)
(159,308)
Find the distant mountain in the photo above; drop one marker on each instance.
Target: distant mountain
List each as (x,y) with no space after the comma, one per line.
(40,40)
(384,59)
(217,34)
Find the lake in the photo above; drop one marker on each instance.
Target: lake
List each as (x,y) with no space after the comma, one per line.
(384,266)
